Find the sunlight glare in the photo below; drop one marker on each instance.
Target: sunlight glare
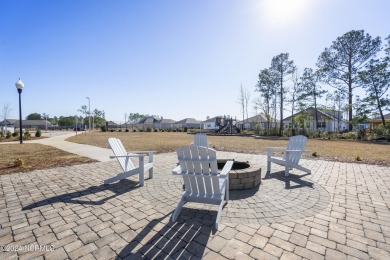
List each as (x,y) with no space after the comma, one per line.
(282,12)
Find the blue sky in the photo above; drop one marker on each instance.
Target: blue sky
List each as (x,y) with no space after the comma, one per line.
(175,59)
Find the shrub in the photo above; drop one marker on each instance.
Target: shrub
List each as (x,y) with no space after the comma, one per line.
(27,135)
(127,130)
(38,133)
(19,162)
(15,134)
(8,135)
(185,129)
(120,130)
(134,130)
(155,130)
(148,129)
(112,130)
(103,128)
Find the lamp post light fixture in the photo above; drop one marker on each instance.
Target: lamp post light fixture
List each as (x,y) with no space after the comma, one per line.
(19,86)
(89,114)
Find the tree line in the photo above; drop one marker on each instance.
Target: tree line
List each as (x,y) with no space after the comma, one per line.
(349,63)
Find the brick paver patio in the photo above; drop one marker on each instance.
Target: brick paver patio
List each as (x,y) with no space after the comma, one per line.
(340,211)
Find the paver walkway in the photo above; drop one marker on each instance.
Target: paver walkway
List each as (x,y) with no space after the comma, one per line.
(341,211)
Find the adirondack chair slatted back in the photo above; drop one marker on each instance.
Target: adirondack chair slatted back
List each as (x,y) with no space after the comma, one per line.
(201,171)
(200,140)
(118,149)
(296,143)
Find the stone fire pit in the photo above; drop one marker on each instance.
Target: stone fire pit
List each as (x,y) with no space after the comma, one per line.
(243,176)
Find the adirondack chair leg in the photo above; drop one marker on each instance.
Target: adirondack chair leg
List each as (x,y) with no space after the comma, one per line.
(287,165)
(176,213)
(141,169)
(219,214)
(269,153)
(227,188)
(151,169)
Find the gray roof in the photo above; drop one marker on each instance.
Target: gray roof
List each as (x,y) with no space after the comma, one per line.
(211,120)
(387,116)
(26,122)
(147,120)
(188,121)
(9,122)
(166,121)
(311,112)
(257,118)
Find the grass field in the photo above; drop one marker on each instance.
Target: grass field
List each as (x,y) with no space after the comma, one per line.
(336,150)
(38,156)
(35,157)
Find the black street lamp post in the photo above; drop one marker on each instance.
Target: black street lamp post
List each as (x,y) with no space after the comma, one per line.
(19,85)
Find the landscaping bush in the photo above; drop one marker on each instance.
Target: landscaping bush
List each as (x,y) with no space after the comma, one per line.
(19,162)
(38,133)
(148,129)
(15,134)
(134,130)
(103,128)
(27,135)
(185,129)
(155,130)
(127,130)
(120,130)
(112,130)
(8,135)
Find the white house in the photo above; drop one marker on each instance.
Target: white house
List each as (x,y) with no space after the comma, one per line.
(210,124)
(326,121)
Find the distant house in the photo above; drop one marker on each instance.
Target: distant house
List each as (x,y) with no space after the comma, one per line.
(378,120)
(26,124)
(190,123)
(326,121)
(251,122)
(164,124)
(209,124)
(111,124)
(146,122)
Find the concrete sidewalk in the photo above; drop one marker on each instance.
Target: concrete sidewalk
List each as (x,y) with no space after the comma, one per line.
(57,140)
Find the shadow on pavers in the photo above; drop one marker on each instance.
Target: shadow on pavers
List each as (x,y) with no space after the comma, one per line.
(293,181)
(160,239)
(118,188)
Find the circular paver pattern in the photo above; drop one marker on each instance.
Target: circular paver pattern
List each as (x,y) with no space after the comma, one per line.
(277,199)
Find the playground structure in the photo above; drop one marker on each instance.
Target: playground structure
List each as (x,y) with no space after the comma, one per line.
(226,125)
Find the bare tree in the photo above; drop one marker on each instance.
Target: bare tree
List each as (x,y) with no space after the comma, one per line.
(247,97)
(5,113)
(241,101)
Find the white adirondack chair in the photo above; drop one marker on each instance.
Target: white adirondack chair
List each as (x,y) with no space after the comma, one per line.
(291,156)
(124,159)
(200,140)
(203,182)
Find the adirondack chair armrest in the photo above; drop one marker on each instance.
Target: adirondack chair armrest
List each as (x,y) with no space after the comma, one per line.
(128,155)
(276,148)
(226,169)
(141,152)
(177,170)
